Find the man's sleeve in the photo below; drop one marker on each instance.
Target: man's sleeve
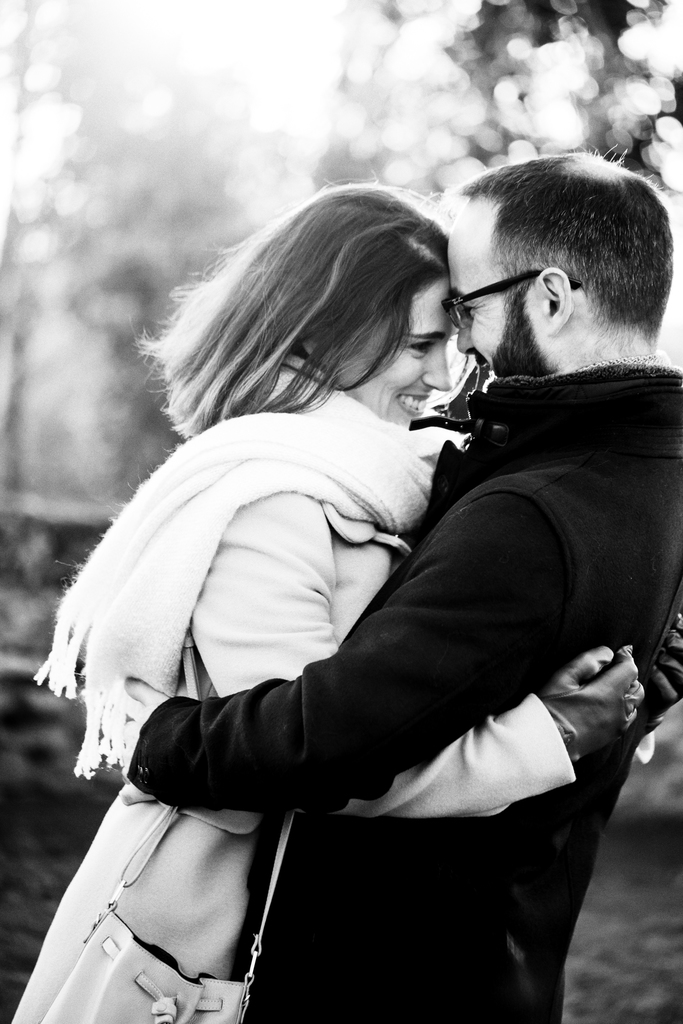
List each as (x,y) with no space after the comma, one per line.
(468,633)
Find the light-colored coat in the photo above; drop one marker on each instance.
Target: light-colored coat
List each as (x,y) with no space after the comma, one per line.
(288,580)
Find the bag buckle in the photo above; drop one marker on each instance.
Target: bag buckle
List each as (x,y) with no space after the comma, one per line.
(249,977)
(111,907)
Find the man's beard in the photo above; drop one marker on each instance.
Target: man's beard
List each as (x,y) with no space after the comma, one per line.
(518,353)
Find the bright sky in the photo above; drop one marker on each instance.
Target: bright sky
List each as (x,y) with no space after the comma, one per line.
(286,51)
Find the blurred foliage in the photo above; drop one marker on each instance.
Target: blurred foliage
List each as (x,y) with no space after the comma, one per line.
(130,170)
(434,92)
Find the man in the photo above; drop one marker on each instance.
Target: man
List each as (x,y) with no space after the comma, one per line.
(557,529)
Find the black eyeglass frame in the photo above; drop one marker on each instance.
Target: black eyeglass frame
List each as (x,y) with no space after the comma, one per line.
(450,305)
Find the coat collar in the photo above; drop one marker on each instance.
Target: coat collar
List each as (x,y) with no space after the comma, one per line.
(626,407)
(588,384)
(605,402)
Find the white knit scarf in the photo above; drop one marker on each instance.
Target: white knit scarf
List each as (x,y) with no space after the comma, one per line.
(134,598)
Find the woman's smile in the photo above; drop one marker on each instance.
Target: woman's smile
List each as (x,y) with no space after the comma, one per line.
(399,392)
(414,405)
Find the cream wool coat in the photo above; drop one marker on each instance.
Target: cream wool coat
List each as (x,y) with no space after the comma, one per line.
(288,580)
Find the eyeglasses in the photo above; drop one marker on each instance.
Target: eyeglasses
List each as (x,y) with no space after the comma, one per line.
(462,318)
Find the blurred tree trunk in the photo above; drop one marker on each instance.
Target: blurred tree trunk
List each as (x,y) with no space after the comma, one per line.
(14,302)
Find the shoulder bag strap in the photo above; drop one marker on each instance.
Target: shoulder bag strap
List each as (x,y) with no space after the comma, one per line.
(162,823)
(256,947)
(192,683)
(167,815)
(190,667)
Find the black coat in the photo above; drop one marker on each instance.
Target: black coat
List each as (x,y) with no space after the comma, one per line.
(567,536)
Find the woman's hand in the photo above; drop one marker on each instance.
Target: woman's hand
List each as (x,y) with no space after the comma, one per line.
(593,699)
(146,696)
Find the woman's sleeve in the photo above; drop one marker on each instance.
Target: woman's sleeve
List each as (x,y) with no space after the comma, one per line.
(265,607)
(509,757)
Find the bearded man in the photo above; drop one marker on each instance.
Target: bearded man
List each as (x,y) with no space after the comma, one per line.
(557,528)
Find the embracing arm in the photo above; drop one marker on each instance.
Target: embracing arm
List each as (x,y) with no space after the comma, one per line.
(463,637)
(271,603)
(508,757)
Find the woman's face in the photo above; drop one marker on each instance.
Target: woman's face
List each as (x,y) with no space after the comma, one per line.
(398,393)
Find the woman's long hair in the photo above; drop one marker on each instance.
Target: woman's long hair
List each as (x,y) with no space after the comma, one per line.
(331,283)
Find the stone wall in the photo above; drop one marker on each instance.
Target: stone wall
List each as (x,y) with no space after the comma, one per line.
(40,546)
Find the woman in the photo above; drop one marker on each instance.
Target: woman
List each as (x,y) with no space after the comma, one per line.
(295,372)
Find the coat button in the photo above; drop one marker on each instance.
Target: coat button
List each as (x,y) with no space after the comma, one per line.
(442,484)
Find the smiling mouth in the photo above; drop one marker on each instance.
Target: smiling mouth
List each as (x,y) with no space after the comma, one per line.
(413,404)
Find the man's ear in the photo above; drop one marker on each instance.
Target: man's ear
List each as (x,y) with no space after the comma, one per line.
(555,298)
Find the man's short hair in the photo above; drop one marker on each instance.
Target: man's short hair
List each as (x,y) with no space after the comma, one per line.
(593,218)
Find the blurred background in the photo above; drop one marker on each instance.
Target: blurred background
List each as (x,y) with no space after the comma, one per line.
(138,138)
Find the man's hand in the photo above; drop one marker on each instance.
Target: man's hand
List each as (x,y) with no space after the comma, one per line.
(593,699)
(666,678)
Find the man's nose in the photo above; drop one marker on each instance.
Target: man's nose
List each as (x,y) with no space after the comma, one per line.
(437,373)
(464,344)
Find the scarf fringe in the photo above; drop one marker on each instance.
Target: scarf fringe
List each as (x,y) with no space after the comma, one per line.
(60,667)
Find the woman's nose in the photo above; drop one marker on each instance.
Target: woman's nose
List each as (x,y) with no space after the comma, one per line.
(437,374)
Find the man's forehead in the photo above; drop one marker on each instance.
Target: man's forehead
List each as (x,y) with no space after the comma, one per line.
(469,246)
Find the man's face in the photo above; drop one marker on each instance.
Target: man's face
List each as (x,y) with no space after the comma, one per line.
(501,333)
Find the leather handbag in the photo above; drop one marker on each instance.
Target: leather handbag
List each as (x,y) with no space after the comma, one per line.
(118,979)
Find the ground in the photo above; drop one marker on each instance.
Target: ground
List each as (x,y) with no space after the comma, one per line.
(625,965)
(626,961)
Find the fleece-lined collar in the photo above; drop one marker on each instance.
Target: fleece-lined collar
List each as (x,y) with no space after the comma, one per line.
(616,404)
(655,365)
(586,386)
